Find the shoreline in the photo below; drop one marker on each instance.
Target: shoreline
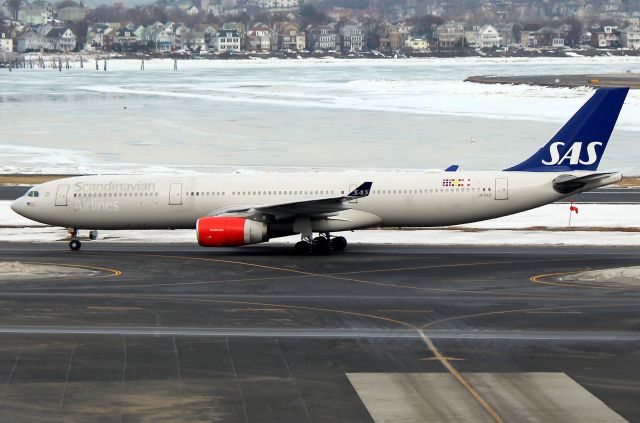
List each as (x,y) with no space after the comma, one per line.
(23,58)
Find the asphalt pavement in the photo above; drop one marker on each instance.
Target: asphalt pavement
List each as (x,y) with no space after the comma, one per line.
(256,334)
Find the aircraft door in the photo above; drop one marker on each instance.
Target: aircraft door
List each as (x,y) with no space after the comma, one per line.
(61,195)
(175,194)
(502,189)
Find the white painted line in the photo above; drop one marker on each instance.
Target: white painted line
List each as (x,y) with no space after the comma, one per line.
(516,397)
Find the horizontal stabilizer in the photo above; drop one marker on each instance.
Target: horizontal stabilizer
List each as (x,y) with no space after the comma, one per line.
(566,184)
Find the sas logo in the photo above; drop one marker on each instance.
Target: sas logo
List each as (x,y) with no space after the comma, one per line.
(573,154)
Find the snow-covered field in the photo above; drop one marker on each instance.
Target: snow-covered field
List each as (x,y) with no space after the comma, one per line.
(14,270)
(596,224)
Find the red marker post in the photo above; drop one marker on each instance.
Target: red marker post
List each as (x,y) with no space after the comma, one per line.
(572,209)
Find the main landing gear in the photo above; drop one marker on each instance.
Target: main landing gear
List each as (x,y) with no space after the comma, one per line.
(74,234)
(321,245)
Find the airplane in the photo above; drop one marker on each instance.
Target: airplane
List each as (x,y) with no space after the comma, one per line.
(229,210)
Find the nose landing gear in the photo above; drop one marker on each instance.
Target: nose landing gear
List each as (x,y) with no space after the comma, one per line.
(74,243)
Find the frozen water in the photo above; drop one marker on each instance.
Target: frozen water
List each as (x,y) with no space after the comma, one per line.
(228,114)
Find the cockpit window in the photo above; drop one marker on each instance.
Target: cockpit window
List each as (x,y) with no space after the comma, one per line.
(33,194)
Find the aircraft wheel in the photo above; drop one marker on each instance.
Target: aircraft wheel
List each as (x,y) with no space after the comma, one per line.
(302,247)
(93,235)
(321,245)
(339,243)
(75,244)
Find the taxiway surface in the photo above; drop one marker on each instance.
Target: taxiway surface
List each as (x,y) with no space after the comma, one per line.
(377,333)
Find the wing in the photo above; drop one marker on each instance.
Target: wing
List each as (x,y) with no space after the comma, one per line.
(313,208)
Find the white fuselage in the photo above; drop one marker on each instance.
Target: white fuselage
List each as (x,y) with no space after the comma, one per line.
(396,198)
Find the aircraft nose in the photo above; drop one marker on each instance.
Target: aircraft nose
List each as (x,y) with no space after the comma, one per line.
(18,206)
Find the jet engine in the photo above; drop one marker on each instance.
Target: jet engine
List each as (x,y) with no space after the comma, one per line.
(230,231)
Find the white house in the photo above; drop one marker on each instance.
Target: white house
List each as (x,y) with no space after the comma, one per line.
(630,37)
(323,38)
(417,44)
(487,37)
(226,40)
(275,4)
(29,41)
(36,13)
(194,41)
(6,44)
(351,37)
(101,35)
(60,39)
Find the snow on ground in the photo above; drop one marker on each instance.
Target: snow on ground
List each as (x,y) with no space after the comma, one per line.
(607,274)
(614,220)
(621,277)
(15,270)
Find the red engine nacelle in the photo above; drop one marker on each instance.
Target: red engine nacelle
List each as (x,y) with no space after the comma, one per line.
(230,231)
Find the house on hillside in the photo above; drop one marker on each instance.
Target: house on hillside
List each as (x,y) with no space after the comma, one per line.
(226,40)
(416,44)
(351,38)
(101,36)
(259,38)
(127,39)
(323,38)
(6,44)
(393,37)
(36,13)
(60,39)
(29,41)
(506,32)
(630,37)
(194,41)
(487,36)
(450,34)
(606,37)
(290,38)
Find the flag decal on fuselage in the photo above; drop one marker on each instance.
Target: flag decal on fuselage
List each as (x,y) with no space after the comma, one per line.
(457,182)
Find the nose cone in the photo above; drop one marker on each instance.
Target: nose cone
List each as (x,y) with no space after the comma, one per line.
(18,206)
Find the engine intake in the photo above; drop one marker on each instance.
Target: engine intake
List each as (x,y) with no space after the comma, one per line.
(230,231)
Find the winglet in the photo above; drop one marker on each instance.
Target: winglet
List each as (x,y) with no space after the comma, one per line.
(362,191)
(452,168)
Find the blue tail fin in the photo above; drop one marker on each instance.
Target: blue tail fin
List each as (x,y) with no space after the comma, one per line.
(581,141)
